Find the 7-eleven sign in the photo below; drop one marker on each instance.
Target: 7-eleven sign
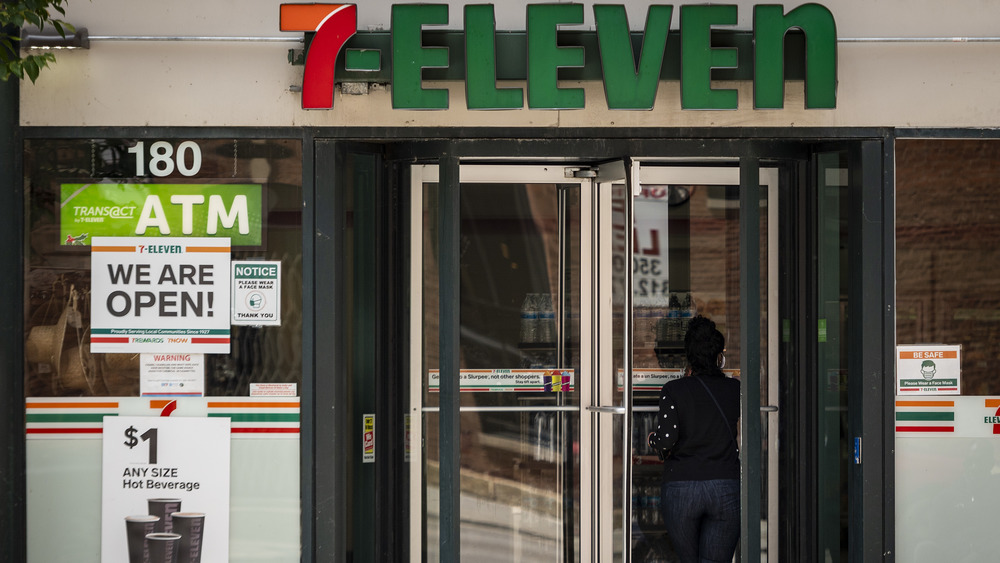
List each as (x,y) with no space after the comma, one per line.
(334,24)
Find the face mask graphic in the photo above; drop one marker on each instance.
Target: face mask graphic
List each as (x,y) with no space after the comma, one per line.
(928,369)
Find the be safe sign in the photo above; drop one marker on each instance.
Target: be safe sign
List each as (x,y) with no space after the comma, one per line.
(160,294)
(256,293)
(926,369)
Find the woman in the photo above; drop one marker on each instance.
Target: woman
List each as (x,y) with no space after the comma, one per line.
(696,434)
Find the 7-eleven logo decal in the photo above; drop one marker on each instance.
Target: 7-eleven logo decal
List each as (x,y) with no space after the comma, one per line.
(334,24)
(995,419)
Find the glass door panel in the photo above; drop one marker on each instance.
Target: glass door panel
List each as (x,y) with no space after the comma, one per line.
(520,353)
(686,262)
(832,277)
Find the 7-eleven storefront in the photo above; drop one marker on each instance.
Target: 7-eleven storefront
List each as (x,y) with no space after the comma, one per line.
(401,327)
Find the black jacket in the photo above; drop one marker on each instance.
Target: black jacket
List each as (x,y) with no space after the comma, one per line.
(702,446)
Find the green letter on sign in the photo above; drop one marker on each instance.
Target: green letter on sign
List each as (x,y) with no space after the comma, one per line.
(698,58)
(409,56)
(545,56)
(625,86)
(770,26)
(481,90)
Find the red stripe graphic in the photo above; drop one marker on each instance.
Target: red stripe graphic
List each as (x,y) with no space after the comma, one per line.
(109,339)
(64,430)
(925,429)
(210,340)
(239,430)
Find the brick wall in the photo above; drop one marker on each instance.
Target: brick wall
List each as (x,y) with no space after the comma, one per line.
(948,252)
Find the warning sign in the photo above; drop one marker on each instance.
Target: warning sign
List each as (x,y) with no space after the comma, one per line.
(929,369)
(256,293)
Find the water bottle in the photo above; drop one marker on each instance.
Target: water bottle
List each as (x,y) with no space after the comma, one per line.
(687,312)
(653,505)
(637,502)
(529,319)
(675,332)
(546,319)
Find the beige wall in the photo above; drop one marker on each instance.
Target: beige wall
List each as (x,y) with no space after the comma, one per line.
(138,83)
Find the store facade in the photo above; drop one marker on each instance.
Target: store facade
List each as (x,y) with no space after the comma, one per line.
(370,299)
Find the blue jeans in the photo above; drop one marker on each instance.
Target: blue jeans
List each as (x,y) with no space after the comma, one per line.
(702,518)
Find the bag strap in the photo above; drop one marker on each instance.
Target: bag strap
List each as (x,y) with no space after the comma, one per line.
(718,406)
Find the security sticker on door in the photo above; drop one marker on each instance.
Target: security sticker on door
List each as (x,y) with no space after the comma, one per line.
(256,293)
(929,369)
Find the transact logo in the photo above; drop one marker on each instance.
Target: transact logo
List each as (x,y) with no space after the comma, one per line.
(333,24)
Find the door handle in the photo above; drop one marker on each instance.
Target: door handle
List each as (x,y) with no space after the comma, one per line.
(606,410)
(769,408)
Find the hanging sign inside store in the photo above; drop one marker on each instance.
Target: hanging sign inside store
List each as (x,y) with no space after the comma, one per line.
(652,379)
(160,294)
(504,380)
(233,211)
(630,81)
(171,375)
(256,293)
(925,369)
(650,279)
(165,489)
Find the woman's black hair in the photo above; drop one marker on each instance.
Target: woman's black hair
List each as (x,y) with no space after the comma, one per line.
(702,345)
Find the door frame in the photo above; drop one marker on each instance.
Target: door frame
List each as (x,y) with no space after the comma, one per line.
(874,526)
(596,424)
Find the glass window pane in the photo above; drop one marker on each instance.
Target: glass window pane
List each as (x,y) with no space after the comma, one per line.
(948,252)
(77,189)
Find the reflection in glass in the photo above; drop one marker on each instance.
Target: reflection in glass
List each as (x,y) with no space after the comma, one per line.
(948,252)
(57,279)
(519,306)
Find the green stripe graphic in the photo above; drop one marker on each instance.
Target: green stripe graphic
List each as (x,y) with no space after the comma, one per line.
(928,416)
(89,417)
(258,416)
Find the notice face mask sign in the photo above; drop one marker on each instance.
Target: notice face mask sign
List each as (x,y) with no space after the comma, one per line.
(257,293)
(160,294)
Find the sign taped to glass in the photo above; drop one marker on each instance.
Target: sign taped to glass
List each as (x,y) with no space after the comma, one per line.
(160,294)
(200,210)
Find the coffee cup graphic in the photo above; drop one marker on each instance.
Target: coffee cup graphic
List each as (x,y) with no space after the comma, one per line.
(163,547)
(136,530)
(191,527)
(164,507)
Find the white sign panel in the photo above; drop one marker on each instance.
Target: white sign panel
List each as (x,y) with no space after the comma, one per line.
(929,369)
(160,294)
(507,380)
(650,267)
(165,489)
(171,375)
(256,293)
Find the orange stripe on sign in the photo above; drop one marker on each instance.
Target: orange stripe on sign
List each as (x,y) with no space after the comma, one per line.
(158,403)
(207,249)
(928,355)
(251,405)
(71,405)
(925,403)
(304,17)
(993,403)
(112,249)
